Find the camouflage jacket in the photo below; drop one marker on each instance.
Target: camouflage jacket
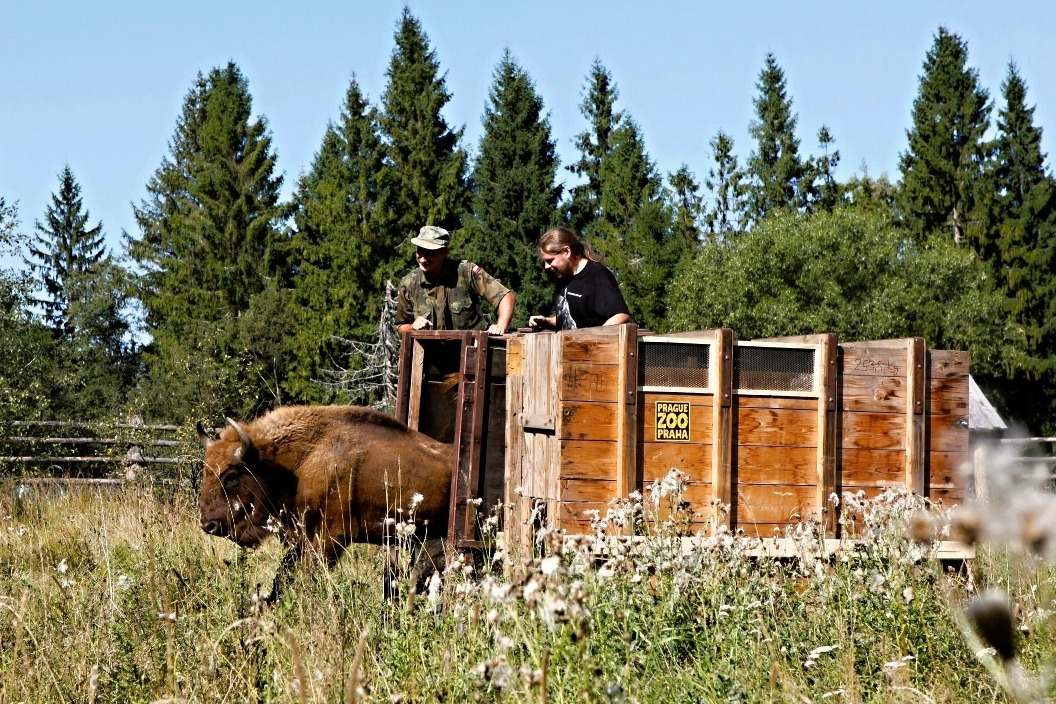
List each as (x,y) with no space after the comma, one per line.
(453,302)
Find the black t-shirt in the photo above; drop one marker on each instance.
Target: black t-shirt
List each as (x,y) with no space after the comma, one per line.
(588,299)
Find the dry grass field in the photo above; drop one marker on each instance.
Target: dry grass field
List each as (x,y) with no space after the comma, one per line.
(120,597)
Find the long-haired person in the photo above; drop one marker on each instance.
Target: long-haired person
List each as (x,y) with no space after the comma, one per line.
(586,293)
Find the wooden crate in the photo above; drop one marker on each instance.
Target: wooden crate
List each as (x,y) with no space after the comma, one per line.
(766,431)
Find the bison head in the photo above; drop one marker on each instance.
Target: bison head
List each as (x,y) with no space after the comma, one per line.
(242,495)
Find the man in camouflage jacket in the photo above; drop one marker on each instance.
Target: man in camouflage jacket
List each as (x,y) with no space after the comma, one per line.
(444,293)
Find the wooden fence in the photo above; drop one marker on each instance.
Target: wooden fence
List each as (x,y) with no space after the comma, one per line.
(91,450)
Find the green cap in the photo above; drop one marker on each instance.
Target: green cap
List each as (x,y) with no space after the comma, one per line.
(432,237)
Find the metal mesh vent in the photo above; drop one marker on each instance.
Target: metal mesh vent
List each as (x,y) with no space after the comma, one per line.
(773,369)
(673,364)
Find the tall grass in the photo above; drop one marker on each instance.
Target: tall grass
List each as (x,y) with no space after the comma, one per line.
(120,597)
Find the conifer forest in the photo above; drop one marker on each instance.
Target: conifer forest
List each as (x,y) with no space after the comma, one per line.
(227,299)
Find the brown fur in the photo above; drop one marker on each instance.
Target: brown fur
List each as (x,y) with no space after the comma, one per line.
(323,476)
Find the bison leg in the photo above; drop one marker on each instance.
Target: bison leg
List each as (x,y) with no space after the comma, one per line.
(427,558)
(284,573)
(431,558)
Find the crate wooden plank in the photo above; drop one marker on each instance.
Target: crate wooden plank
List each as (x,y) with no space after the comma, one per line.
(874,467)
(948,467)
(948,396)
(594,490)
(588,459)
(723,423)
(514,523)
(948,364)
(586,381)
(947,496)
(515,355)
(655,460)
(871,393)
(916,450)
(777,427)
(417,366)
(691,522)
(825,481)
(947,433)
(697,494)
(579,349)
(765,530)
(873,431)
(783,402)
(771,503)
(587,421)
(764,464)
(627,409)
(573,517)
(873,359)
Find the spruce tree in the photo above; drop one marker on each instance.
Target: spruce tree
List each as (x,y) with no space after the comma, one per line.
(65,248)
(1022,248)
(684,195)
(211,242)
(27,360)
(337,246)
(824,191)
(515,198)
(85,305)
(633,229)
(594,144)
(778,175)
(944,159)
(423,179)
(728,212)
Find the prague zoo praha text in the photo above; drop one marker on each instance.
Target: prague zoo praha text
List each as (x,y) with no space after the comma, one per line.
(672,421)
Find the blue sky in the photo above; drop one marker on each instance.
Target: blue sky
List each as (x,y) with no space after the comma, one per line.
(99,85)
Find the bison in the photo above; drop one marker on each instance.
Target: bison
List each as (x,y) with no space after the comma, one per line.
(322,477)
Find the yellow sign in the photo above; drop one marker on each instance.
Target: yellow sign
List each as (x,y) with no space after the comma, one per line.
(672,421)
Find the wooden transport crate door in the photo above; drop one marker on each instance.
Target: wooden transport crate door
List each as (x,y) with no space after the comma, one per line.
(904,418)
(881,391)
(784,466)
(685,379)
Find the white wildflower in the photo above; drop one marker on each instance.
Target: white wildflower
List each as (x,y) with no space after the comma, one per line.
(433,594)
(549,565)
(416,499)
(63,567)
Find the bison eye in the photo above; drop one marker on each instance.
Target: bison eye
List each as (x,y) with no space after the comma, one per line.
(229,479)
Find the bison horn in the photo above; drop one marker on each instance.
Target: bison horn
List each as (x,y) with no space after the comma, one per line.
(247,444)
(203,436)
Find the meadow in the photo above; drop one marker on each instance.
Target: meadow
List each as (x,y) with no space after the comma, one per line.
(120,597)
